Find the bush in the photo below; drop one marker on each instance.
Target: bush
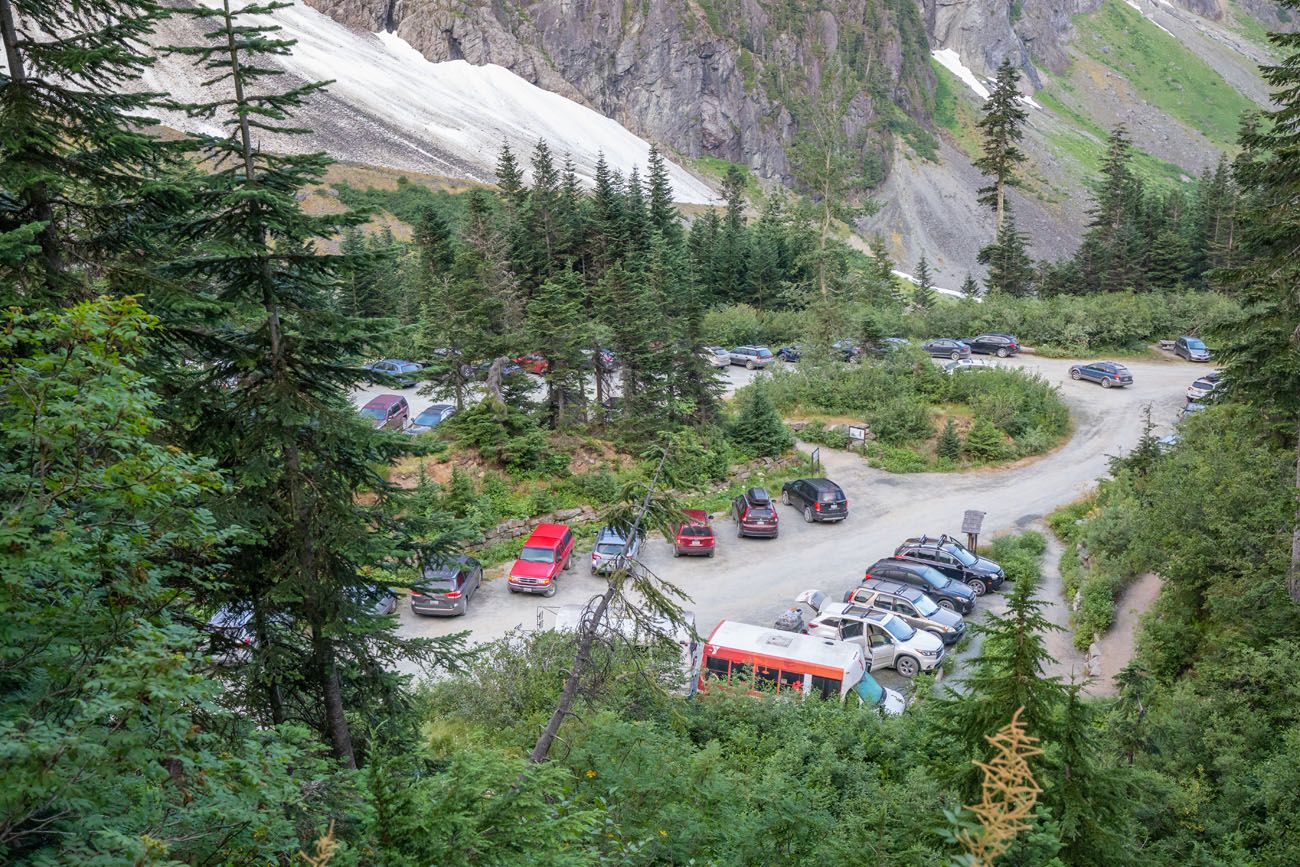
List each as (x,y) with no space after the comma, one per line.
(758,430)
(817,432)
(949,445)
(1096,611)
(985,442)
(508,438)
(900,419)
(696,457)
(740,323)
(895,459)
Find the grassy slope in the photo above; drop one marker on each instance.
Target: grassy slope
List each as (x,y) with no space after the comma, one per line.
(1164,72)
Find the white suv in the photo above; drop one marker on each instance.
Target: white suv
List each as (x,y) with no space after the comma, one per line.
(888,641)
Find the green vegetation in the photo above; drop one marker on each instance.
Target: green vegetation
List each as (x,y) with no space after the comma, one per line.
(408,202)
(1162,71)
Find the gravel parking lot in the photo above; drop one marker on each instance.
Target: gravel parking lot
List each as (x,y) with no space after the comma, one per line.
(753,580)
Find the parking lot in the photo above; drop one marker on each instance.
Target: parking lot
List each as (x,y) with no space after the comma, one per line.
(754,580)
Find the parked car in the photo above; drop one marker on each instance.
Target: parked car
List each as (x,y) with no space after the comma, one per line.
(431,418)
(446,588)
(716,356)
(911,604)
(1191,408)
(605,359)
(1202,388)
(752,356)
(387,411)
(819,499)
(754,513)
(694,536)
(994,343)
(231,635)
(609,546)
(945,347)
(376,600)
(887,640)
(790,354)
(1111,374)
(848,350)
(1191,348)
(399,370)
(954,560)
(962,364)
(953,595)
(548,551)
(534,363)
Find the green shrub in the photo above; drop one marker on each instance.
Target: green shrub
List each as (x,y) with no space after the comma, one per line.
(895,459)
(1019,555)
(596,486)
(695,458)
(817,432)
(900,419)
(1065,521)
(984,442)
(1096,611)
(949,445)
(758,430)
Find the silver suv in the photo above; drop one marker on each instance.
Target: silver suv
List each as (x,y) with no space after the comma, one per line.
(609,545)
(888,641)
(752,356)
(914,607)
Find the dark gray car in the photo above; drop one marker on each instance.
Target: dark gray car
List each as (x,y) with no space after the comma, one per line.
(946,348)
(946,591)
(446,589)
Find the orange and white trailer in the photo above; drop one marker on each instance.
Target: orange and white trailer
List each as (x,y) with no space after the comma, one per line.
(772,661)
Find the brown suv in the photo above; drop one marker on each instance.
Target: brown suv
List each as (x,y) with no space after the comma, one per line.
(387,411)
(755,514)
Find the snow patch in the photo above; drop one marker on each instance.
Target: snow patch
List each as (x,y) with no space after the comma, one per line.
(951,61)
(1141,12)
(454,114)
(915,282)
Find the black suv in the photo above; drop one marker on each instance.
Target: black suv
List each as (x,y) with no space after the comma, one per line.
(754,513)
(994,343)
(818,499)
(953,595)
(954,560)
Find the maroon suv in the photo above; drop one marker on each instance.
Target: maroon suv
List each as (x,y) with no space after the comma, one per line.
(387,411)
(755,514)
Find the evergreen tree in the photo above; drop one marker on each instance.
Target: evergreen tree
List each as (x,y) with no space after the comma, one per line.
(758,429)
(510,179)
(1001,129)
(1263,353)
(924,298)
(559,327)
(969,288)
(984,441)
(664,216)
(1110,255)
(81,177)
(606,239)
(949,444)
(702,247)
(1011,271)
(285,432)
(636,220)
(732,253)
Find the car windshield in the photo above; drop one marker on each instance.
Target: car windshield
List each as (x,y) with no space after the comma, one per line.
(610,549)
(1205,384)
(925,606)
(537,555)
(429,417)
(899,629)
(719,351)
(1195,344)
(869,691)
(965,557)
(373,412)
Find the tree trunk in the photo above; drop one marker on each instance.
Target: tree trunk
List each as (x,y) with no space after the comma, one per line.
(332,690)
(37,195)
(492,385)
(1001,202)
(1293,575)
(273,693)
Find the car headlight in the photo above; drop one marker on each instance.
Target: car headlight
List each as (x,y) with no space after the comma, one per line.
(931,653)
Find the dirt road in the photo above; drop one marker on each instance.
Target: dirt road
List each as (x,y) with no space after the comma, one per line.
(753,580)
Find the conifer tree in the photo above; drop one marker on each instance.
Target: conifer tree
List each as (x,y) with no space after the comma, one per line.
(702,247)
(1085,794)
(606,238)
(558,325)
(1001,129)
(984,441)
(285,432)
(758,429)
(1110,254)
(949,444)
(1011,271)
(80,176)
(664,216)
(924,297)
(733,239)
(969,288)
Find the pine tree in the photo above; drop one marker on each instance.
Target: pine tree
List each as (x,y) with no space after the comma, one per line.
(969,288)
(1001,129)
(664,216)
(559,328)
(924,298)
(984,441)
(949,444)
(1085,794)
(605,239)
(758,429)
(510,179)
(702,247)
(1263,355)
(82,181)
(1011,271)
(733,239)
(285,433)
(1110,255)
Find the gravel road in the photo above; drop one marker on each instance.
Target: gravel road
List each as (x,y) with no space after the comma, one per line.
(753,580)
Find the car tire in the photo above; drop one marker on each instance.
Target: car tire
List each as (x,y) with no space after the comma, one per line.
(676,553)
(807,514)
(550,591)
(1105,383)
(1002,352)
(710,554)
(937,634)
(568,563)
(1076,374)
(907,666)
(464,607)
(955,356)
(947,603)
(785,497)
(978,586)
(740,531)
(749,365)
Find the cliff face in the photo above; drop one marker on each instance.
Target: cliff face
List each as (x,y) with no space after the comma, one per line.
(705,77)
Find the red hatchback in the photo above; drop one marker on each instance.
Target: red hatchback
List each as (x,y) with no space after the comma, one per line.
(694,536)
(548,550)
(533,363)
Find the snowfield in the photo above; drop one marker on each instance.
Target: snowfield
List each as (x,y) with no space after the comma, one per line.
(390,106)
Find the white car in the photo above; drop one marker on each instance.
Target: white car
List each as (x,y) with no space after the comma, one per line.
(888,641)
(1201,389)
(951,367)
(716,356)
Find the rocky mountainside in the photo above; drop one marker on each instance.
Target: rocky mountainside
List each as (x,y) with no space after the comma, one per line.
(733,81)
